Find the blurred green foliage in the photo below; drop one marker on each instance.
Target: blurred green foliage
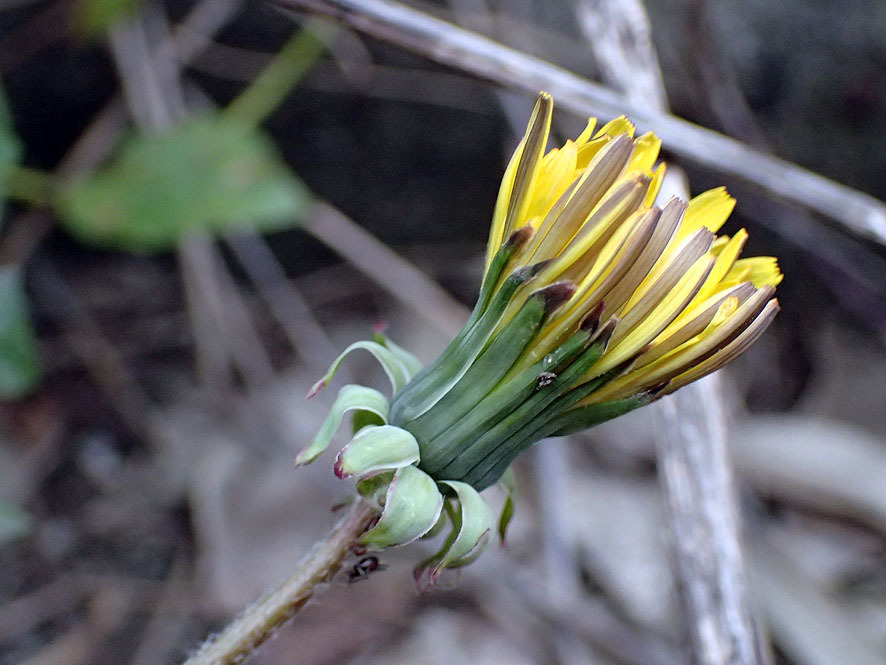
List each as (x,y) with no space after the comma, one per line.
(94,17)
(212,174)
(207,175)
(19,363)
(10,146)
(14,522)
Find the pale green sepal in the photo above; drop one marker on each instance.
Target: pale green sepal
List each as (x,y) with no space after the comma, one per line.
(412,508)
(508,483)
(471,526)
(391,364)
(373,488)
(476,522)
(426,572)
(363,418)
(376,448)
(438,528)
(350,397)
(409,360)
(474,554)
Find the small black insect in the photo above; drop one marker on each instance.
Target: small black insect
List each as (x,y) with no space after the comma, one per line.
(545,379)
(363,568)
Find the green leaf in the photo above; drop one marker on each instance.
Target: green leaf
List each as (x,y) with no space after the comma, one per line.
(436,379)
(95,17)
(14,522)
(208,175)
(483,375)
(471,527)
(580,418)
(19,363)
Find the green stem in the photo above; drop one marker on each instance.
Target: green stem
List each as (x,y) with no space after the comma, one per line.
(30,185)
(285,70)
(258,622)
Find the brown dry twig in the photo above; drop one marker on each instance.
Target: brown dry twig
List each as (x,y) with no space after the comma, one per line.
(448,44)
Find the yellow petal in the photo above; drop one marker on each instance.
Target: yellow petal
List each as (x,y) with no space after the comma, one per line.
(712,312)
(725,259)
(719,244)
(761,270)
(618,255)
(513,197)
(665,226)
(675,249)
(657,178)
(558,229)
(646,149)
(621,125)
(620,201)
(731,351)
(680,300)
(557,173)
(590,255)
(656,320)
(709,209)
(501,206)
(585,136)
(714,337)
(534,146)
(689,255)
(588,151)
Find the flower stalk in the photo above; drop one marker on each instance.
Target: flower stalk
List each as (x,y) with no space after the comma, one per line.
(259,621)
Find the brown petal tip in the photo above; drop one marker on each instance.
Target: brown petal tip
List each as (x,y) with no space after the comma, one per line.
(556,294)
(592,319)
(654,391)
(605,333)
(520,237)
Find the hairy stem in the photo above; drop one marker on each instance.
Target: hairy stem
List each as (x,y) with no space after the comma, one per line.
(259,621)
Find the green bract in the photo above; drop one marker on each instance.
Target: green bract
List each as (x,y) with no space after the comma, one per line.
(594,302)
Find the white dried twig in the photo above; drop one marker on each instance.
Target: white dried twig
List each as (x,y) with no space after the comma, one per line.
(439,40)
(694,468)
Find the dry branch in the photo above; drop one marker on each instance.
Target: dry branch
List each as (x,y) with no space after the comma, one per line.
(701,506)
(694,468)
(439,40)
